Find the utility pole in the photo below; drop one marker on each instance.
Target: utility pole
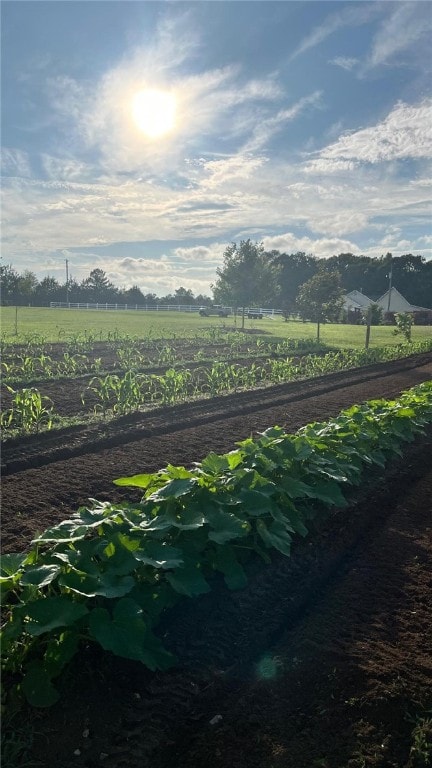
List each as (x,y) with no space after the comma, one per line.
(67,281)
(390,282)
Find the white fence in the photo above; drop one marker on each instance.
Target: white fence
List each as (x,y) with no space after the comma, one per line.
(114,307)
(151,307)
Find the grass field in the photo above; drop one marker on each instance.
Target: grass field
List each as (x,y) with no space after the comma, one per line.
(61,324)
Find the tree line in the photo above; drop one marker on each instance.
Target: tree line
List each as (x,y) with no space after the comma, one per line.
(25,289)
(249,276)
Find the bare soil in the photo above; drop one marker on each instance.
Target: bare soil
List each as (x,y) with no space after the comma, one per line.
(324,660)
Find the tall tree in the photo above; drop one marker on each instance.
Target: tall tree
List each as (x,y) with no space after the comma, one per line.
(133,295)
(26,287)
(98,288)
(9,281)
(247,277)
(321,298)
(49,289)
(294,270)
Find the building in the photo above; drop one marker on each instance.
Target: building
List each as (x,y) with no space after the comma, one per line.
(393,301)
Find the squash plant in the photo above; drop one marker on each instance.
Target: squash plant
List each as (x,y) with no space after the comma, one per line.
(107,574)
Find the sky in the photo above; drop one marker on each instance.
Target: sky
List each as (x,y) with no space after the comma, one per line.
(142,138)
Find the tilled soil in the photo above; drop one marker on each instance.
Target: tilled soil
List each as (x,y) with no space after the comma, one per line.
(324,660)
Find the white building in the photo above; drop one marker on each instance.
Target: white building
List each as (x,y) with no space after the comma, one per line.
(393,301)
(356,301)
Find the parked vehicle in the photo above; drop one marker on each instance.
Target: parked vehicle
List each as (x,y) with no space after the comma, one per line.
(215,309)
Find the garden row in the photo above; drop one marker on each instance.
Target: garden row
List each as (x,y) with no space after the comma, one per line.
(107,575)
(28,409)
(39,360)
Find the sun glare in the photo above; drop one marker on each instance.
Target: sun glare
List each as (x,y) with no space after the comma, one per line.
(154,112)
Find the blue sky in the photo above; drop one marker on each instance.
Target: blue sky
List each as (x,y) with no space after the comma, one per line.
(305,125)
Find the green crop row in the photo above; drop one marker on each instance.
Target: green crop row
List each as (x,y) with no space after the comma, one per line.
(107,574)
(116,394)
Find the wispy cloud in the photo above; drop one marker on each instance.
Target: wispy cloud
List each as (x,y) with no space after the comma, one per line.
(408,24)
(345,62)
(15,162)
(358,14)
(405,133)
(265,129)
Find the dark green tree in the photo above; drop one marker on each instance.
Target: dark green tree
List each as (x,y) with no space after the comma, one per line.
(26,287)
(49,289)
(320,299)
(294,269)
(247,277)
(132,295)
(9,280)
(97,287)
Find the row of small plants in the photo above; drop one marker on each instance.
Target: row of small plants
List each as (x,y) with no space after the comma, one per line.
(106,575)
(115,394)
(31,365)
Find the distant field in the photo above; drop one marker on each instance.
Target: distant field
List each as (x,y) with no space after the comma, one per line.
(61,324)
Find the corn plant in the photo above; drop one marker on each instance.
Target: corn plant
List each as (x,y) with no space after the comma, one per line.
(118,394)
(173,387)
(130,357)
(166,355)
(29,411)
(71,365)
(283,370)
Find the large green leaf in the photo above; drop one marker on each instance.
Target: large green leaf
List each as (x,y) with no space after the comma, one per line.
(41,575)
(37,686)
(154,598)
(226,526)
(329,492)
(188,581)
(67,531)
(126,634)
(186,518)
(225,560)
(159,555)
(105,584)
(59,651)
(275,535)
(214,464)
(174,489)
(294,488)
(11,564)
(136,481)
(256,503)
(49,613)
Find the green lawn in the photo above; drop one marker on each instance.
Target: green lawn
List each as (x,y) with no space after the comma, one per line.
(61,324)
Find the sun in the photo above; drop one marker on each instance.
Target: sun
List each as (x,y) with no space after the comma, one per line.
(154,112)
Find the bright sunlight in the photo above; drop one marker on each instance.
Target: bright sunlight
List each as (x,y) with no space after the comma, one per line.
(154,112)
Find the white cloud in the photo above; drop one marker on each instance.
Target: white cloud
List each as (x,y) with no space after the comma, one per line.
(321,247)
(404,133)
(265,129)
(336,222)
(201,253)
(409,24)
(345,62)
(15,162)
(356,15)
